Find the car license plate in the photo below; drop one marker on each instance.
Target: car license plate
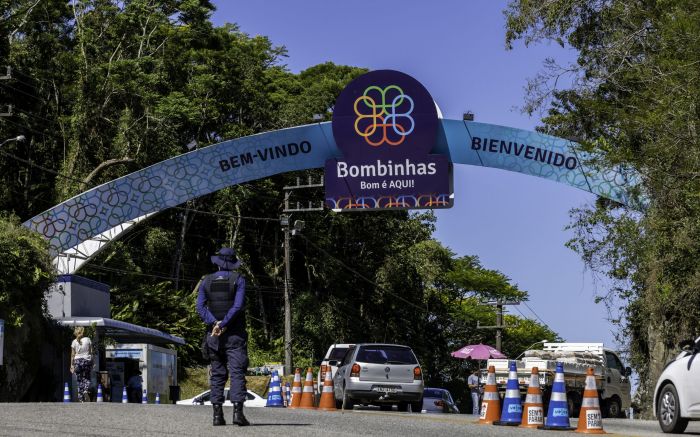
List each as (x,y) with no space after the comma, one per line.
(386,388)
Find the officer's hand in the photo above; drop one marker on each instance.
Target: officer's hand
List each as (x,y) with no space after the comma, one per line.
(216,331)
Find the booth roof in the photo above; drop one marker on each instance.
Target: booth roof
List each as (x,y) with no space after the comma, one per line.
(124,332)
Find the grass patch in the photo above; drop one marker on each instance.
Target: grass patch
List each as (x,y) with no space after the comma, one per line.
(196,380)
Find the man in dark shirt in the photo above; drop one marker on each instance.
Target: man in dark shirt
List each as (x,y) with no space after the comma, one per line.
(221,305)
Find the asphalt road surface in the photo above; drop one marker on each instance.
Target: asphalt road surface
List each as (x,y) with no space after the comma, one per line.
(183,420)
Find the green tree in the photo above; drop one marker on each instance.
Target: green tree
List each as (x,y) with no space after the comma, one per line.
(633,104)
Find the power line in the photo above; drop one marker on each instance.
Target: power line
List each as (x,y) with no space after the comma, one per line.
(538,317)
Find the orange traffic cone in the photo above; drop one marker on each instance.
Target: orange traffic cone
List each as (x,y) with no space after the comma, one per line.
(533,409)
(590,420)
(307,394)
(327,401)
(296,389)
(491,403)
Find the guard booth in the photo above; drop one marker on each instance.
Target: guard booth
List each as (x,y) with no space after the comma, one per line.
(121,349)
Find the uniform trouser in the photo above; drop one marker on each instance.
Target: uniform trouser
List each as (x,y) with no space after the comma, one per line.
(229,357)
(475,402)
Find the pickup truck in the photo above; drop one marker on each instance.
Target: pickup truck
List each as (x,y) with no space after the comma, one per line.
(612,378)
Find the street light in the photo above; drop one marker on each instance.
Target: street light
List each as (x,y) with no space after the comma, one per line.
(18,138)
(528,348)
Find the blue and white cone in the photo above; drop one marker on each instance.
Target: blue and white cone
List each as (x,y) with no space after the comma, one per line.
(100,397)
(125,400)
(144,397)
(558,412)
(66,393)
(511,414)
(157,398)
(289,394)
(274,396)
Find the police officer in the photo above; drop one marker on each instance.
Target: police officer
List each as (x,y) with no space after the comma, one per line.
(221,304)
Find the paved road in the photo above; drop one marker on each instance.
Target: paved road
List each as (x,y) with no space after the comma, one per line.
(180,420)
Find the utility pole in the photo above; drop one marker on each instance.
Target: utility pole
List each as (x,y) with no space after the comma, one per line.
(7,76)
(285,220)
(499,320)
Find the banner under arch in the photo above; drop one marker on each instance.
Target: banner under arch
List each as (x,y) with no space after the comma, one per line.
(81,226)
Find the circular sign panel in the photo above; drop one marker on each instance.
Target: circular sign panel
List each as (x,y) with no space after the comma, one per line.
(384,114)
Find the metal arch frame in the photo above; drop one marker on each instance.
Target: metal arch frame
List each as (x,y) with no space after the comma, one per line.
(79,228)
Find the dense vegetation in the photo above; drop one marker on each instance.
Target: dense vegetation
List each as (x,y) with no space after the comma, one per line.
(633,103)
(101,88)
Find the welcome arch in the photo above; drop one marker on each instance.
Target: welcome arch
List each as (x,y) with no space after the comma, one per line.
(78,228)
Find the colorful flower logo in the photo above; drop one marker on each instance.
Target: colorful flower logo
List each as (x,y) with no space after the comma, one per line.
(384,115)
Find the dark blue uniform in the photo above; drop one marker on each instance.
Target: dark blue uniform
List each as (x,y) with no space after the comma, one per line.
(221,298)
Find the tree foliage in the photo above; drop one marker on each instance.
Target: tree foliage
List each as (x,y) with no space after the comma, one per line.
(633,104)
(102,88)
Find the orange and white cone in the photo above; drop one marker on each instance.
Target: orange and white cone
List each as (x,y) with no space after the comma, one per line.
(307,394)
(590,421)
(491,403)
(533,409)
(296,389)
(327,402)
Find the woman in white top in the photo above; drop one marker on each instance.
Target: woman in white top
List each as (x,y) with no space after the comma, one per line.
(81,359)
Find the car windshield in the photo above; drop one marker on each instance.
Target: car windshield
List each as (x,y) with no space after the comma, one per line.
(383,354)
(432,393)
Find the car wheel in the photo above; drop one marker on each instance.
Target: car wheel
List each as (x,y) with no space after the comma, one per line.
(668,411)
(403,406)
(386,407)
(612,408)
(573,402)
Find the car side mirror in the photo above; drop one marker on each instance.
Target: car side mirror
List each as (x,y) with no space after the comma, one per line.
(628,371)
(333,362)
(197,401)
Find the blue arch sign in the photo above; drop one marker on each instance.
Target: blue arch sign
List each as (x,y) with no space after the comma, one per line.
(203,171)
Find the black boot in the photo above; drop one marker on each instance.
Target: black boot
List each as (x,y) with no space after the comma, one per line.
(218,415)
(238,417)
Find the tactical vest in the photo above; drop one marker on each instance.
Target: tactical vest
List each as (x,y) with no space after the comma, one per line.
(220,294)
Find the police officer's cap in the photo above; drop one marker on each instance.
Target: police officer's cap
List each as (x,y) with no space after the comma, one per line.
(226,259)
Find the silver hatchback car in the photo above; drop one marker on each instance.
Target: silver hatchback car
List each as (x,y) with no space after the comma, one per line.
(379,374)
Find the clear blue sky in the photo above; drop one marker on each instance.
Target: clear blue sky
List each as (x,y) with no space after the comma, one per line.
(514,223)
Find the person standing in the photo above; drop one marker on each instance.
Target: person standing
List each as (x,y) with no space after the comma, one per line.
(81,362)
(135,387)
(473,383)
(221,305)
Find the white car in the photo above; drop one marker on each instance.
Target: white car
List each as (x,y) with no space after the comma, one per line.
(252,399)
(677,393)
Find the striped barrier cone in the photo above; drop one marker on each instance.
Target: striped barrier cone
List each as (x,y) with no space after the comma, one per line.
(512,412)
(157,398)
(307,394)
(66,393)
(100,397)
(288,393)
(590,421)
(296,389)
(558,411)
(533,409)
(274,395)
(144,397)
(125,400)
(491,403)
(327,401)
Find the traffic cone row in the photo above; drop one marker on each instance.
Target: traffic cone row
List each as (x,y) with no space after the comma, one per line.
(590,418)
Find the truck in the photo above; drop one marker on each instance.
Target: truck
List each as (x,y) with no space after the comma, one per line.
(612,378)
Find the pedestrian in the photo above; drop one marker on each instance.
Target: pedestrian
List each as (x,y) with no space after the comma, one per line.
(473,383)
(134,387)
(81,362)
(221,305)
